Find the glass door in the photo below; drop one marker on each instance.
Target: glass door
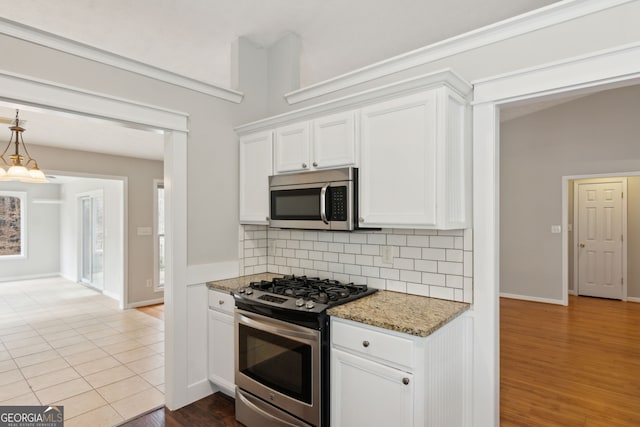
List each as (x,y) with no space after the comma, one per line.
(92,240)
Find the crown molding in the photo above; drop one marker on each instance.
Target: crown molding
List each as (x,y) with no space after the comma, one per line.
(553,14)
(63,44)
(445,77)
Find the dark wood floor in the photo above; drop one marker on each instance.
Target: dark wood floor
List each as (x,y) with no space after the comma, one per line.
(217,410)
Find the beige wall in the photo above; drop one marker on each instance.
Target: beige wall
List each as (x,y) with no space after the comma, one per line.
(592,135)
(140,175)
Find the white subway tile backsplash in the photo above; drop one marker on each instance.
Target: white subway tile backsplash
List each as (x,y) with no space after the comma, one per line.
(424,262)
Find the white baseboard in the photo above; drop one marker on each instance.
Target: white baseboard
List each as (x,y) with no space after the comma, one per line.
(29,277)
(112,295)
(147,302)
(530,298)
(203,273)
(633,299)
(200,389)
(572,292)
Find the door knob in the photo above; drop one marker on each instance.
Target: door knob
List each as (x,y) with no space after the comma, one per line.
(581,245)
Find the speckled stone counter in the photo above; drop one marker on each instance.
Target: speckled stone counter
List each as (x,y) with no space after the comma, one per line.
(410,314)
(240,282)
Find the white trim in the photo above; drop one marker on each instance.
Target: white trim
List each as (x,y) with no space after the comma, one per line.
(79,220)
(30,91)
(446,77)
(572,292)
(202,273)
(114,296)
(31,277)
(200,389)
(522,24)
(581,72)
(633,299)
(587,71)
(533,299)
(145,303)
(63,44)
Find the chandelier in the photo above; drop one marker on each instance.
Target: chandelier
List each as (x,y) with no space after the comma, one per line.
(18,168)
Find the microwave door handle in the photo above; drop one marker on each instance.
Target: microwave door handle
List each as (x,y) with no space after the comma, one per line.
(323,203)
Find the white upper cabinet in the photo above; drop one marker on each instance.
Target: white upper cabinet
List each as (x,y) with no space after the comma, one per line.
(334,141)
(292,148)
(415,169)
(256,163)
(326,142)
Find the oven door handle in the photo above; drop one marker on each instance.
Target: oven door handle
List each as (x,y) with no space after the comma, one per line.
(323,203)
(265,325)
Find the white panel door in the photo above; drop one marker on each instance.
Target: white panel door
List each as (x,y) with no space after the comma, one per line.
(221,350)
(398,162)
(600,239)
(256,163)
(334,141)
(292,150)
(365,393)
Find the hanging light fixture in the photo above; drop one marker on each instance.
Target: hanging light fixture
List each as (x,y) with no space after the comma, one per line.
(18,169)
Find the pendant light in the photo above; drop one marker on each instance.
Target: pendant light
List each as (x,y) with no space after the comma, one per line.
(18,169)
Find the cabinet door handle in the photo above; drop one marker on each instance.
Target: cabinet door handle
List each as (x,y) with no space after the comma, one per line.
(304,165)
(405,381)
(365,343)
(220,302)
(315,164)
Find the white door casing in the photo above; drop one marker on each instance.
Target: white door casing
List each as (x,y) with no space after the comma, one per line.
(600,219)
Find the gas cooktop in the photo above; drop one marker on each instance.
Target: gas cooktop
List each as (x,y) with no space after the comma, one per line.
(302,293)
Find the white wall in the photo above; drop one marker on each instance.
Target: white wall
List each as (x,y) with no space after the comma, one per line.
(43,234)
(113,196)
(592,135)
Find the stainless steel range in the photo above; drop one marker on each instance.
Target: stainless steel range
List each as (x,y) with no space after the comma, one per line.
(282,349)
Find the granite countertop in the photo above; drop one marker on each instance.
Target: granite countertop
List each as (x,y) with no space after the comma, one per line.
(240,282)
(410,314)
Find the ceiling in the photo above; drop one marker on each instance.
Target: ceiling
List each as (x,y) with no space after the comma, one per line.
(194,37)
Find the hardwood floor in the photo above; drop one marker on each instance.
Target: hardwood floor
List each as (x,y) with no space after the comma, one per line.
(217,410)
(156,310)
(570,366)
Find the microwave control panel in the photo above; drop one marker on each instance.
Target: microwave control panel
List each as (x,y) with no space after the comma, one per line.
(338,204)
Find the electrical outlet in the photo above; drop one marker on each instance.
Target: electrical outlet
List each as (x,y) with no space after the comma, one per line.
(149,283)
(387,254)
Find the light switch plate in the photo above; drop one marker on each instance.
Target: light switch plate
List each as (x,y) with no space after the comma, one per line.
(144,231)
(555,229)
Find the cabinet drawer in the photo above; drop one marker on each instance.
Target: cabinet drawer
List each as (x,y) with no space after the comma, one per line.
(379,345)
(219,300)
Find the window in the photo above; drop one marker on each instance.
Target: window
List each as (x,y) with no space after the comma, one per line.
(12,224)
(159,235)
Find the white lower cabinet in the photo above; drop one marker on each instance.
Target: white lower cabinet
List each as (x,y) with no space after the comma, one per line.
(366,393)
(220,358)
(385,378)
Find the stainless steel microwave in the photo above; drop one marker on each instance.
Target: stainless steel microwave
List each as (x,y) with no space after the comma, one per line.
(322,200)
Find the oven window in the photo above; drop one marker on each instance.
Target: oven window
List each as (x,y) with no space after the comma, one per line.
(276,362)
(303,204)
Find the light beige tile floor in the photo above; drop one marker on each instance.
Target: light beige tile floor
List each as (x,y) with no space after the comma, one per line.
(66,344)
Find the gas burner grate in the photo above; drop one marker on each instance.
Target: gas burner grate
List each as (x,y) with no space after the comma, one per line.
(323,291)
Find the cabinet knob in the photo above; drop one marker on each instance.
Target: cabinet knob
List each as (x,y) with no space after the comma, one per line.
(304,165)
(221,302)
(267,218)
(365,343)
(361,219)
(405,381)
(315,164)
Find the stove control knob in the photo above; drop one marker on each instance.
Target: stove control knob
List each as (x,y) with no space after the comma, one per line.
(309,305)
(299,302)
(249,291)
(241,291)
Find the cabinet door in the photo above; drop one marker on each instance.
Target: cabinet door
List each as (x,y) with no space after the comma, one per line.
(334,141)
(292,148)
(256,164)
(398,163)
(365,393)
(221,351)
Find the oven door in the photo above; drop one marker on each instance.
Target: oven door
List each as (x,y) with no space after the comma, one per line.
(279,362)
